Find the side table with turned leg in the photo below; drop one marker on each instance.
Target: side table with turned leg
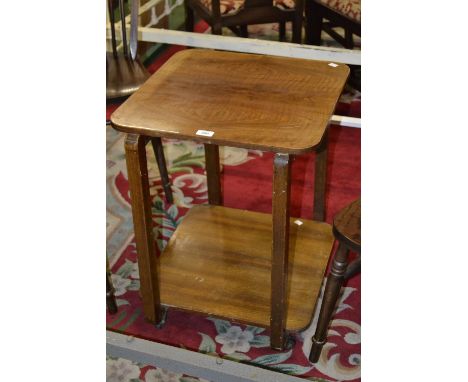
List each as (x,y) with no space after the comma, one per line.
(246,266)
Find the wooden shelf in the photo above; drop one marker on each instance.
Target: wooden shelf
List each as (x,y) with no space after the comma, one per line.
(218,262)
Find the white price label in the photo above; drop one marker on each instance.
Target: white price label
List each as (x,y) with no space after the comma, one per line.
(205,133)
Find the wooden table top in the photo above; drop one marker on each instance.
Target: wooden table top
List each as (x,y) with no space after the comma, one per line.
(260,102)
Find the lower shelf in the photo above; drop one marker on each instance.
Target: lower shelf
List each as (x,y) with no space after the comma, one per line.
(218,262)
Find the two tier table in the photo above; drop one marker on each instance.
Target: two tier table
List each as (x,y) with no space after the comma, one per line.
(245,266)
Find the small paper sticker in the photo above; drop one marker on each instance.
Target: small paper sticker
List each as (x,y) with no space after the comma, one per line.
(332,64)
(205,133)
(298,222)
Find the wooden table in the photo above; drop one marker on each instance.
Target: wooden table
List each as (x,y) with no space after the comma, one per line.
(246,266)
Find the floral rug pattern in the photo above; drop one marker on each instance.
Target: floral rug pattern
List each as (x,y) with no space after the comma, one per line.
(340,358)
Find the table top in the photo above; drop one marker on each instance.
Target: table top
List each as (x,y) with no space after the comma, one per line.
(234,99)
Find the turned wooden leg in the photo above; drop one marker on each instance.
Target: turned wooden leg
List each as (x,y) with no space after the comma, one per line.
(110,298)
(320,179)
(280,249)
(297,29)
(189,17)
(330,296)
(353,268)
(213,177)
(161,160)
(143,225)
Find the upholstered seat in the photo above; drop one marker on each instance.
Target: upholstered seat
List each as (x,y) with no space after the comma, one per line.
(348,8)
(231,7)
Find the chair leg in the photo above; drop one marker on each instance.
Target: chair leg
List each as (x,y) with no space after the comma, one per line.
(161,160)
(110,298)
(244,31)
(189,17)
(217,29)
(349,39)
(314,22)
(282,31)
(353,268)
(330,297)
(297,30)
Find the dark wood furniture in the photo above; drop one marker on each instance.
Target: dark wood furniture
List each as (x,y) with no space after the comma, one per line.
(338,13)
(238,14)
(125,74)
(110,298)
(347,231)
(327,15)
(246,266)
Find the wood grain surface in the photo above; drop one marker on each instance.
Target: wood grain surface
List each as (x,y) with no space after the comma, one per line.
(135,154)
(347,226)
(218,262)
(252,101)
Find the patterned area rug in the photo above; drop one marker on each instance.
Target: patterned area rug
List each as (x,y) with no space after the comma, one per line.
(247,181)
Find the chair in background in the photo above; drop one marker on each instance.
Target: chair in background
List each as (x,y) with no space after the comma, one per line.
(238,14)
(347,232)
(125,74)
(337,13)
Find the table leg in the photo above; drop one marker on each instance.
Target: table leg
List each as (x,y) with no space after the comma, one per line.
(330,296)
(280,249)
(320,182)
(213,177)
(161,160)
(353,268)
(135,153)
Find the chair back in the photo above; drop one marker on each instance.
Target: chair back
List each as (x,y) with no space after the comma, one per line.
(130,49)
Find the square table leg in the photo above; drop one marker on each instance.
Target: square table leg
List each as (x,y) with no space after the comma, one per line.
(320,182)
(135,153)
(213,176)
(280,249)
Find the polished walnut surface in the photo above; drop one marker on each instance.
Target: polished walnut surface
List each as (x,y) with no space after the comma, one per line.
(251,101)
(347,225)
(218,262)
